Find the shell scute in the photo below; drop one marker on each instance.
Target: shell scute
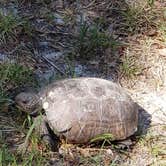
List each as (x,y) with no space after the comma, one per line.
(87,107)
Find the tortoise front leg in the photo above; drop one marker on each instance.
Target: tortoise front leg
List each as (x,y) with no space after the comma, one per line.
(43,130)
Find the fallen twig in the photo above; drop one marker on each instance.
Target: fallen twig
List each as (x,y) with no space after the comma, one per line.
(48,61)
(52,64)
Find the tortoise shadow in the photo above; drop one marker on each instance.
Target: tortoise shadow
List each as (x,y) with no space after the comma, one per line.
(144,121)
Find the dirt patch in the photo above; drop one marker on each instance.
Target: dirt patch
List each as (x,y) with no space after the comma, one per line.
(117,40)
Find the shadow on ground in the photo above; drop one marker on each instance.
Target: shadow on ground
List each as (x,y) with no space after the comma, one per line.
(144,122)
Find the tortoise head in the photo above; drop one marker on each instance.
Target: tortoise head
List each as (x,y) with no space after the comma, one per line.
(28,102)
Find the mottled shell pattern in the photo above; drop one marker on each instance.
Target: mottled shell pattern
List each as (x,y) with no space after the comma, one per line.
(82,108)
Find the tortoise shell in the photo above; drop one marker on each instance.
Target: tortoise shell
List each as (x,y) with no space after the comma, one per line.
(82,108)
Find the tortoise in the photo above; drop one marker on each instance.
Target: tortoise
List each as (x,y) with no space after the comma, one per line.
(80,109)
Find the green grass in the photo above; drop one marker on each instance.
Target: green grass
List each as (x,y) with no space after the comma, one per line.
(138,19)
(158,150)
(6,157)
(12,76)
(27,154)
(155,145)
(92,40)
(107,137)
(11,26)
(33,157)
(162,30)
(150,2)
(129,67)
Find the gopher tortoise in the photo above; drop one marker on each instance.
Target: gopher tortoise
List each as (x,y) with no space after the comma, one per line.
(80,109)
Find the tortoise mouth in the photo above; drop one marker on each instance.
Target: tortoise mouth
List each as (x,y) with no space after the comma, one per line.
(34,110)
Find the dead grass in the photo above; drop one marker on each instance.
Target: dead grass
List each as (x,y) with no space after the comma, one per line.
(130,67)
(151,148)
(137,24)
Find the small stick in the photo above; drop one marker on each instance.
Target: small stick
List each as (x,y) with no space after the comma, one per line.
(48,61)
(52,64)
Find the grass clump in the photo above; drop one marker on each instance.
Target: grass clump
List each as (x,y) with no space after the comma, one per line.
(93,41)
(13,76)
(138,19)
(6,157)
(128,69)
(31,158)
(162,30)
(129,66)
(11,26)
(150,2)
(31,152)
(106,137)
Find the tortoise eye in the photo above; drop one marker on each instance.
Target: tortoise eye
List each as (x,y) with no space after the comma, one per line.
(25,101)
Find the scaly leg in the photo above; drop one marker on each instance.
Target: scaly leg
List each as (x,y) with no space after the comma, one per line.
(42,128)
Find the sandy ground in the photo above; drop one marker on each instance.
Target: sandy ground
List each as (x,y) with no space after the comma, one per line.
(148,89)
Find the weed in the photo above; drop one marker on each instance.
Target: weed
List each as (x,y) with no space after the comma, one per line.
(34,155)
(97,160)
(13,76)
(106,137)
(70,66)
(23,147)
(137,19)
(129,67)
(11,26)
(158,150)
(162,29)
(28,153)
(92,41)
(113,163)
(6,157)
(151,2)
(31,158)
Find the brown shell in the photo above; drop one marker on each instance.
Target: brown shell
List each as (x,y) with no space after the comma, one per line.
(81,109)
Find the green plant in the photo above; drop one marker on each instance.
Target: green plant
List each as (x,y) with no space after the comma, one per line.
(11,26)
(12,76)
(34,155)
(158,150)
(103,137)
(151,2)
(29,159)
(49,17)
(162,29)
(129,66)
(70,66)
(6,157)
(92,40)
(31,125)
(138,19)
(4,100)
(28,153)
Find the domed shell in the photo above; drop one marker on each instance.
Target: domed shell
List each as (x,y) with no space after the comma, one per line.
(82,108)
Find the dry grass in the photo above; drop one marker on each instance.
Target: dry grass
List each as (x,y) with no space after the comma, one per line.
(141,32)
